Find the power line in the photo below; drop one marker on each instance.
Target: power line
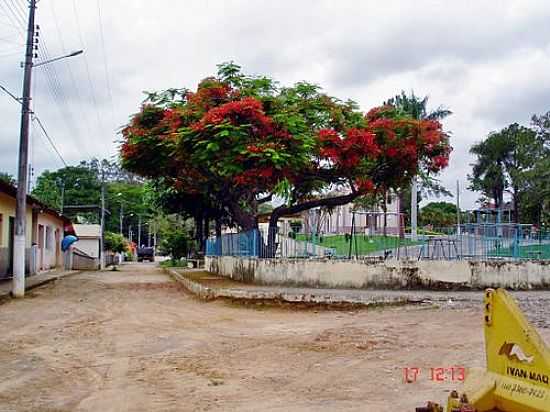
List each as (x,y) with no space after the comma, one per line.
(71,75)
(35,117)
(90,83)
(13,18)
(105,65)
(49,139)
(56,92)
(10,94)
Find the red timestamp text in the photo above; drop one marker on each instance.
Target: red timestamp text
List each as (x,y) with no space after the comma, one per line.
(437,374)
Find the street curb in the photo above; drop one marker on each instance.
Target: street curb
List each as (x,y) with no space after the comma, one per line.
(52,279)
(313,299)
(7,295)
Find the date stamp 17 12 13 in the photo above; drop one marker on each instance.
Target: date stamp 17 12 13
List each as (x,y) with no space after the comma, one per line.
(438,374)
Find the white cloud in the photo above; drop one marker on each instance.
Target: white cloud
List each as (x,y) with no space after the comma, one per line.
(486,61)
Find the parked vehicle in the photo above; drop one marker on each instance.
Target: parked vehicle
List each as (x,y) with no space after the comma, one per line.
(145,253)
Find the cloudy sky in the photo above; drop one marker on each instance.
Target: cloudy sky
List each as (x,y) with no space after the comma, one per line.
(487,61)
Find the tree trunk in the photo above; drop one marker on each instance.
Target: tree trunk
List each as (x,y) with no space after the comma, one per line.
(281,211)
(206,228)
(515,198)
(199,232)
(218,228)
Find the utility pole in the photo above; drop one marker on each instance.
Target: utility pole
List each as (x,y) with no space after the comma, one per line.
(62,184)
(457,208)
(139,231)
(101,241)
(414,209)
(21,199)
(121,215)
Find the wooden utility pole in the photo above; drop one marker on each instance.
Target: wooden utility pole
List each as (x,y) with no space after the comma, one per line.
(21,199)
(102,239)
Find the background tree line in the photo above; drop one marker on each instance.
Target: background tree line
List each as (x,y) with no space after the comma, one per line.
(515,162)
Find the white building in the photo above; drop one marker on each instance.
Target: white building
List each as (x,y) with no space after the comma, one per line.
(339,219)
(89,238)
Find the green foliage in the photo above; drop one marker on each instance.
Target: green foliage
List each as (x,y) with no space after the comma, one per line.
(81,186)
(438,214)
(508,161)
(74,185)
(175,243)
(218,150)
(114,242)
(7,178)
(174,263)
(417,107)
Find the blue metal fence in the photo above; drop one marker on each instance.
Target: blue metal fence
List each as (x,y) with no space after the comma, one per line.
(234,244)
(469,241)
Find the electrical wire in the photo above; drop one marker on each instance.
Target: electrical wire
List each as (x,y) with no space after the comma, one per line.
(57,94)
(90,83)
(13,19)
(42,127)
(50,140)
(75,86)
(105,64)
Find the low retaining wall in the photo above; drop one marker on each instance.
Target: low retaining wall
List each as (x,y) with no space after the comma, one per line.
(375,274)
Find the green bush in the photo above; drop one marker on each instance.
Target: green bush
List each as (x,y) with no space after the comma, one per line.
(174,263)
(114,242)
(175,243)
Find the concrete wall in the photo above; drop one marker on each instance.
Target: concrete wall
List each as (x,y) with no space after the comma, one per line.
(332,273)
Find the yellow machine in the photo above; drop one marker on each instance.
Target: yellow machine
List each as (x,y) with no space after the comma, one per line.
(517,378)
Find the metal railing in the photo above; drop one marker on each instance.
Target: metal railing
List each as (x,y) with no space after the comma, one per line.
(469,241)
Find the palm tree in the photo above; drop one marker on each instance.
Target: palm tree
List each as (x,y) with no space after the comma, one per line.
(417,108)
(503,163)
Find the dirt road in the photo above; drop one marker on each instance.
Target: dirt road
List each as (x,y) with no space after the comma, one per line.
(135,341)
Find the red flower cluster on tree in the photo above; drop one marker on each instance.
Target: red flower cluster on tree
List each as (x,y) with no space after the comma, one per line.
(247,110)
(172,120)
(349,150)
(364,185)
(210,93)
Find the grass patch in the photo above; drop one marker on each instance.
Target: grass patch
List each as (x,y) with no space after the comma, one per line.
(362,243)
(540,251)
(174,263)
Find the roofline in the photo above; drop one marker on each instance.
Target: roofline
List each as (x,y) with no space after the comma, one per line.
(11,191)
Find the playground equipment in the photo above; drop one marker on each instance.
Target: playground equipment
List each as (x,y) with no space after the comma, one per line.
(517,378)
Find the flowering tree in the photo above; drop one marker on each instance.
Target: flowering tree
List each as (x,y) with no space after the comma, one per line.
(239,140)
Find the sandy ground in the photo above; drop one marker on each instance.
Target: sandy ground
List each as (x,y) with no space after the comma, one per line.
(135,341)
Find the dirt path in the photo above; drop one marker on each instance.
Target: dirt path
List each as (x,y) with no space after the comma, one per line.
(134,341)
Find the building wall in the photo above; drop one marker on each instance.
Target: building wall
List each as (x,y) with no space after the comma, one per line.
(48,236)
(88,246)
(7,210)
(340,219)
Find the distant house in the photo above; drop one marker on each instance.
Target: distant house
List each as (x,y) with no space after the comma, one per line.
(339,219)
(45,230)
(89,238)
